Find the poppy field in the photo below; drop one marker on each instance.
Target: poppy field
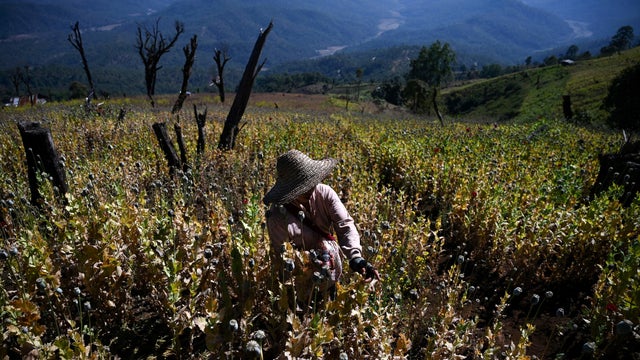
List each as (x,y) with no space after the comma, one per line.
(486,243)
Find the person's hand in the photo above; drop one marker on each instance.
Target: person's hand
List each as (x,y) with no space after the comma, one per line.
(364,268)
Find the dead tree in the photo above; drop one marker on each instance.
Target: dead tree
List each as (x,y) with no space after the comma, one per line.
(566,107)
(221,57)
(151,47)
(160,129)
(201,120)
(75,39)
(16,80)
(121,115)
(183,149)
(230,130)
(190,56)
(42,157)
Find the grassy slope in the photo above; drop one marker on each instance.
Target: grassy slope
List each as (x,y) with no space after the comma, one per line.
(538,92)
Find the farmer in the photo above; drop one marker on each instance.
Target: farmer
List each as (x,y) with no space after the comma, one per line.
(305,213)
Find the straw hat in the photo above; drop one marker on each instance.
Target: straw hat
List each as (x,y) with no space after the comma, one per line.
(296,174)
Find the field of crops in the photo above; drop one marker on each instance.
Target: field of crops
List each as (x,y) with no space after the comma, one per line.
(485,244)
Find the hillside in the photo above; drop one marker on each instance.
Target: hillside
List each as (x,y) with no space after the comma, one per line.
(538,92)
(524,96)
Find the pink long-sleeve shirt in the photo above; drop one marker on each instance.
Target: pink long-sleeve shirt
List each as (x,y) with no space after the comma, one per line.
(327,211)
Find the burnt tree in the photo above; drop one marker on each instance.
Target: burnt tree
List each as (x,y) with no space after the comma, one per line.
(151,47)
(230,130)
(190,56)
(566,107)
(221,57)
(183,149)
(160,129)
(121,115)
(42,157)
(201,120)
(75,39)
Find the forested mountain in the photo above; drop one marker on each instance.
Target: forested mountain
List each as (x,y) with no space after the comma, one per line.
(593,18)
(34,33)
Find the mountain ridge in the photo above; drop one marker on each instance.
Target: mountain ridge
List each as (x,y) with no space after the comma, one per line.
(34,32)
(302,30)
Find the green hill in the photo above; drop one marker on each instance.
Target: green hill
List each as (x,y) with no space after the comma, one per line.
(537,92)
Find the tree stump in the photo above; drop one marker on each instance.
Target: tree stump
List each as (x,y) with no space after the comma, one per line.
(183,149)
(160,129)
(201,120)
(42,157)
(566,107)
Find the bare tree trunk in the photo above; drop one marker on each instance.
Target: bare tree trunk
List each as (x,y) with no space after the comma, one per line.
(183,149)
(435,105)
(121,115)
(231,130)
(201,120)
(160,129)
(566,107)
(42,156)
(221,58)
(150,78)
(76,40)
(348,97)
(190,56)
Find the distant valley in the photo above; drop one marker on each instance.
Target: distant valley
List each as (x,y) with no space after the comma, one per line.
(34,32)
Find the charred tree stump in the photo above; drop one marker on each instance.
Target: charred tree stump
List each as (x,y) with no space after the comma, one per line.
(201,120)
(121,116)
(183,149)
(566,107)
(231,129)
(622,168)
(160,129)
(42,157)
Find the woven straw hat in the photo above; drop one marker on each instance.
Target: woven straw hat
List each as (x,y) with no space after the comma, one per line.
(296,174)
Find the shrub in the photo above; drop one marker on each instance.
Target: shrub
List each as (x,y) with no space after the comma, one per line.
(623,100)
